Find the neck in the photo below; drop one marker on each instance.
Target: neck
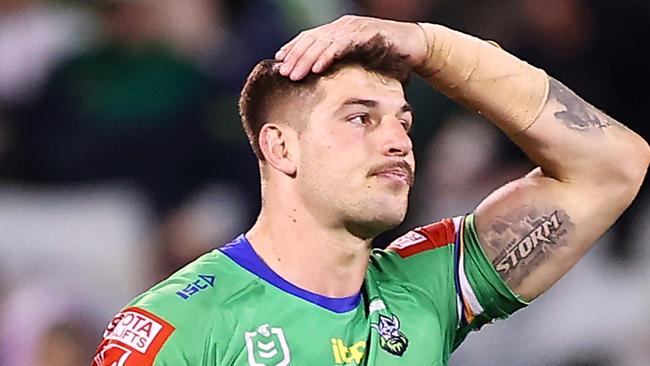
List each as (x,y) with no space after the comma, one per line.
(325,260)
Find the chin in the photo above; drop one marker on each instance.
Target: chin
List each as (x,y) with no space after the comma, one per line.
(391,214)
(371,227)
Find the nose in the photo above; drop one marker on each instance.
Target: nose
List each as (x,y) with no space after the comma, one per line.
(395,139)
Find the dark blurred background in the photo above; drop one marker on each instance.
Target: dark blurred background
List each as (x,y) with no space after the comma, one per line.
(122,158)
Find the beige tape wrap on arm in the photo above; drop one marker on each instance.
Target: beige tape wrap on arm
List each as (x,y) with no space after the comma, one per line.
(481,76)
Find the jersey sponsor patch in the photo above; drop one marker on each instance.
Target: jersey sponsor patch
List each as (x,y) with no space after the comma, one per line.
(112,354)
(408,239)
(347,355)
(424,238)
(133,337)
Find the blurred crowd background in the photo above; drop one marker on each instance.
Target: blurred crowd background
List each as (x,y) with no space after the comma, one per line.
(122,158)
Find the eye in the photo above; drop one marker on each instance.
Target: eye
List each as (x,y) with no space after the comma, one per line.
(407,124)
(359,119)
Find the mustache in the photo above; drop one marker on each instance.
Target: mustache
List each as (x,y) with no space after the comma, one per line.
(400,165)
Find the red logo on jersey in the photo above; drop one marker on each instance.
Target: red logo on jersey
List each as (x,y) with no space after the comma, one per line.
(424,238)
(133,337)
(112,354)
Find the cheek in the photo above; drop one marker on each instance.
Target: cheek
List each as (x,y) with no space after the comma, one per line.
(335,154)
(327,144)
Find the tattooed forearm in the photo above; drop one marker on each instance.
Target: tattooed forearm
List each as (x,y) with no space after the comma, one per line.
(521,245)
(578,114)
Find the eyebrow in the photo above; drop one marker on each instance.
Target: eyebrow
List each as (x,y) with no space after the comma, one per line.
(365,102)
(371,104)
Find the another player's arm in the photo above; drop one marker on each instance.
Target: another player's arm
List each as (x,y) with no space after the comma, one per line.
(590,166)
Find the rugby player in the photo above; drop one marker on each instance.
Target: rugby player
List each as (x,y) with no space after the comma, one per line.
(329,123)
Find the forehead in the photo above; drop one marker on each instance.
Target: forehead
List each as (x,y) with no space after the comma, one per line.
(356,82)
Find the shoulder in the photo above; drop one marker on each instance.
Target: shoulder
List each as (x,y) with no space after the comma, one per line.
(208,278)
(419,251)
(437,237)
(176,318)
(425,238)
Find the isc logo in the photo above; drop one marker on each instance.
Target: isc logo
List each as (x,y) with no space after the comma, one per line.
(344,355)
(201,283)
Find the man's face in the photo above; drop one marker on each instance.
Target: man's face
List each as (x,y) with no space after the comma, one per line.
(356,159)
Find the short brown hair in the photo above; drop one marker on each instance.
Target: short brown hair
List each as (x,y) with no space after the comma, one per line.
(265,88)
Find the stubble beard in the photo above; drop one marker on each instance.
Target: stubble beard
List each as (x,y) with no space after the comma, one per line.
(371,217)
(363,207)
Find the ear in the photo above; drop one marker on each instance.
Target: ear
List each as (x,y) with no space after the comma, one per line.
(278,144)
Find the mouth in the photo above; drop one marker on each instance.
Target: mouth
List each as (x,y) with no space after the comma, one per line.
(399,173)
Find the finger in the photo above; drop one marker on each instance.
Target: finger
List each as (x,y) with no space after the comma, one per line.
(295,53)
(284,50)
(305,63)
(330,54)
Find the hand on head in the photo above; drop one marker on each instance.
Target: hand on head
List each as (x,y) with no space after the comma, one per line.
(315,49)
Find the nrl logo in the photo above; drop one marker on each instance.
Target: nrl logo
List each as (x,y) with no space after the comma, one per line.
(267,346)
(391,339)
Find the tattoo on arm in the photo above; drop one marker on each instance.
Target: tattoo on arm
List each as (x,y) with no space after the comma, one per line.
(579,115)
(522,244)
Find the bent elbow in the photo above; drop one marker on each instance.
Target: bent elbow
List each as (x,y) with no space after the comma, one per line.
(635,167)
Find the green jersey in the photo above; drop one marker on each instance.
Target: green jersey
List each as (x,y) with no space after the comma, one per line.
(420,298)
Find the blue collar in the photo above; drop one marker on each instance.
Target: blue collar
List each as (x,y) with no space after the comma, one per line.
(242,253)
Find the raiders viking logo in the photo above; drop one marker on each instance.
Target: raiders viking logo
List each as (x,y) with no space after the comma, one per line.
(391,338)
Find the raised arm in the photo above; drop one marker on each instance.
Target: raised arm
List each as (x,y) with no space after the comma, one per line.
(590,166)
(536,228)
